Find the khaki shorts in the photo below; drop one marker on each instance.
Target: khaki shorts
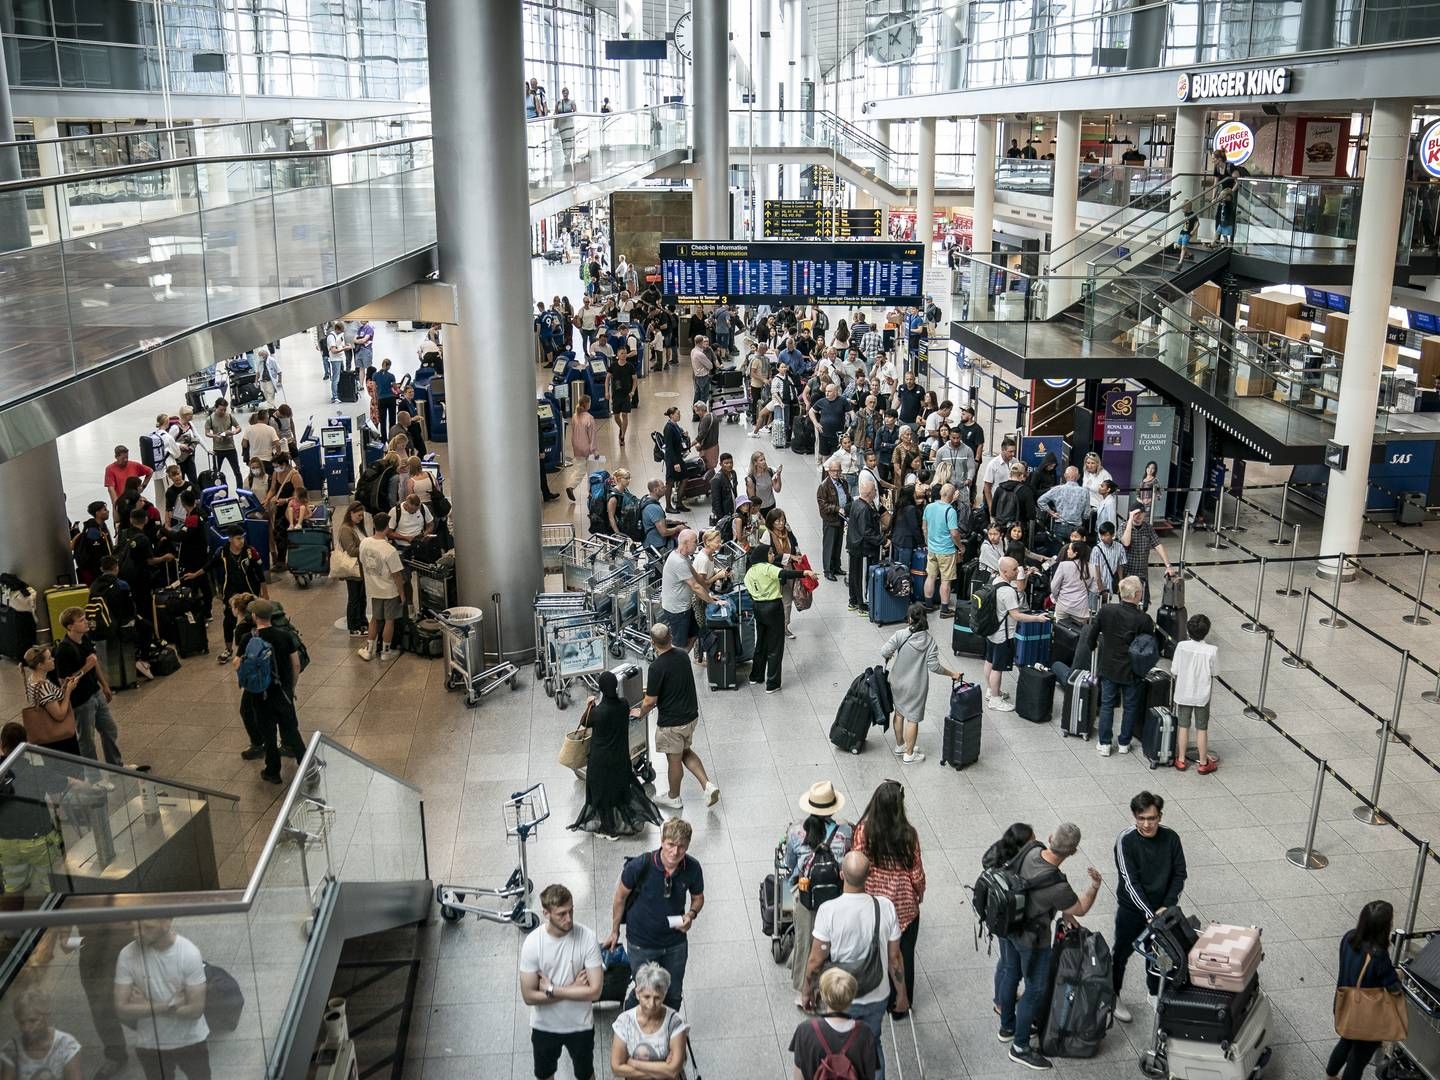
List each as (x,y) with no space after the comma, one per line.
(943,565)
(675,740)
(1199,715)
(386,608)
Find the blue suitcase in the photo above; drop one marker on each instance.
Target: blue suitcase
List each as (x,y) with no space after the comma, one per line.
(308,554)
(884,608)
(1032,643)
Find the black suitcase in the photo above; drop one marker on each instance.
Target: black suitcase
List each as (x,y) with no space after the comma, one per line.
(1158,688)
(1035,694)
(349,387)
(1209,1016)
(852,722)
(1170,629)
(1081,703)
(1062,643)
(720,666)
(802,435)
(17,632)
(1170,937)
(117,655)
(164,660)
(187,633)
(964,641)
(1157,737)
(960,744)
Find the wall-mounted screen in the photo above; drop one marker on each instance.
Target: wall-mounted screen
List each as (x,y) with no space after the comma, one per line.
(722,272)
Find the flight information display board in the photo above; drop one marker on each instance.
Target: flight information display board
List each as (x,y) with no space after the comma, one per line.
(736,272)
(812,219)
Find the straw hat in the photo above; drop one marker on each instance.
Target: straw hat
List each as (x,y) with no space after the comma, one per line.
(822,799)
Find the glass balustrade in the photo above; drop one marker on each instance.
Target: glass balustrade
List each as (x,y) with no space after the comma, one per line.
(126,866)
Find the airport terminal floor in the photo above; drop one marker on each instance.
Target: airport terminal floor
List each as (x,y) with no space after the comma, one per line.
(764,751)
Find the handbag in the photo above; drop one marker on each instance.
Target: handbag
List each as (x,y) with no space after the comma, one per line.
(575,750)
(802,589)
(870,971)
(42,728)
(344,566)
(1370,1013)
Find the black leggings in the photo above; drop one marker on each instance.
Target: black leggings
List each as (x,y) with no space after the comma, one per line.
(1352,1055)
(355,617)
(908,937)
(769,643)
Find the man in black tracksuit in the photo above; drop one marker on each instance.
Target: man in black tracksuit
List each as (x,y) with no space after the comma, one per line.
(1151,866)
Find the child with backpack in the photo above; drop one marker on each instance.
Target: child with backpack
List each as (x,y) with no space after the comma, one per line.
(1193,668)
(833,1046)
(812,853)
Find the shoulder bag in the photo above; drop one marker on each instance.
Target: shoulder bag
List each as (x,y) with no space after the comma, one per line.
(41,728)
(870,971)
(575,750)
(1370,1013)
(344,566)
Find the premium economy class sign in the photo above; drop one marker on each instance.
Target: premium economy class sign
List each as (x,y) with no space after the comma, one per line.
(725,272)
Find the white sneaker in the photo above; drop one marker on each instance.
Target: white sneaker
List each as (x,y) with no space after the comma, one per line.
(365,652)
(389,654)
(1104,749)
(712,794)
(1124,748)
(1001,705)
(1122,1013)
(911,759)
(898,751)
(668,803)
(143,670)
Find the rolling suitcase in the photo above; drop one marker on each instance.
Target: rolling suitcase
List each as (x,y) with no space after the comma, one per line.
(1032,643)
(1157,736)
(960,744)
(117,654)
(852,721)
(1063,640)
(720,666)
(917,576)
(349,387)
(1158,688)
(1035,694)
(309,554)
(1241,1058)
(1170,629)
(1226,957)
(17,632)
(187,633)
(779,438)
(62,597)
(1209,1016)
(1082,998)
(963,640)
(1081,703)
(885,608)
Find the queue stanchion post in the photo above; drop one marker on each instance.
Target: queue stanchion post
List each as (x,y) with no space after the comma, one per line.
(1258,711)
(1415,618)
(1297,658)
(1370,814)
(1185,519)
(1218,544)
(1279,540)
(1432,697)
(1289,589)
(1395,732)
(1237,499)
(1412,906)
(1307,858)
(1333,620)
(1254,625)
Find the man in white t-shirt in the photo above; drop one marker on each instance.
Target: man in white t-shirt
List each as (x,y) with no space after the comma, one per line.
(258,440)
(561,974)
(412,519)
(845,933)
(335,357)
(997,470)
(678,588)
(385,588)
(160,987)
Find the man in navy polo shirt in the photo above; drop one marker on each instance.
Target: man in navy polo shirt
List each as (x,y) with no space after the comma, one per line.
(657,920)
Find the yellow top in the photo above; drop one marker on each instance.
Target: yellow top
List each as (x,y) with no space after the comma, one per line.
(762,581)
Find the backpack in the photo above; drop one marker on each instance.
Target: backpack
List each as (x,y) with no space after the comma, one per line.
(369,488)
(631,516)
(440,507)
(999,897)
(1144,654)
(129,571)
(821,880)
(599,502)
(280,621)
(835,1065)
(727,528)
(659,441)
(97,613)
(257,665)
(224,1000)
(897,581)
(1004,505)
(984,610)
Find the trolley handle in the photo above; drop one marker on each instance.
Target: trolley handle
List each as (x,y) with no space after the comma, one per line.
(515,797)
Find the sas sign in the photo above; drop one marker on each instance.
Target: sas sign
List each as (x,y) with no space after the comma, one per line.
(1430,149)
(1236,141)
(1259,82)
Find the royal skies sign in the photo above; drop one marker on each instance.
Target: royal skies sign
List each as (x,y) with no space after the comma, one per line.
(1429,149)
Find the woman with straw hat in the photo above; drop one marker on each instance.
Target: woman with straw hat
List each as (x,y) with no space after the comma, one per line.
(821,827)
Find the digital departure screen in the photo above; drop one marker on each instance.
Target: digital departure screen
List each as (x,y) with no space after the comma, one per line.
(726,272)
(812,219)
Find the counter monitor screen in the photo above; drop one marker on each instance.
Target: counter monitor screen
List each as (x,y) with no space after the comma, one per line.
(545,410)
(227,513)
(724,272)
(332,438)
(597,367)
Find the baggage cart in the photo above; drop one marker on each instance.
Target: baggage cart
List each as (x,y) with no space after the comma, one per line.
(635,635)
(549,608)
(626,609)
(782,898)
(553,539)
(1421,1045)
(575,649)
(522,814)
(464,652)
(577,562)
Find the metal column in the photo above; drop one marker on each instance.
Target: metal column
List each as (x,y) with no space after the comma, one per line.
(1381,199)
(710,130)
(925,187)
(34,544)
(983,216)
(1066,291)
(482,215)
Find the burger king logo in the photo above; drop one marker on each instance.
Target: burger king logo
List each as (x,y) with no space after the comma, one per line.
(1429,149)
(1236,141)
(1182,86)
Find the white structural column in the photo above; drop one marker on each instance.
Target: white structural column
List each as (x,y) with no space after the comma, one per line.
(983,217)
(482,215)
(1381,199)
(49,157)
(766,130)
(793,12)
(1187,155)
(1065,290)
(925,186)
(34,541)
(710,210)
(632,82)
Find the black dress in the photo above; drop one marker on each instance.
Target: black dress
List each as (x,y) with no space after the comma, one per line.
(615,802)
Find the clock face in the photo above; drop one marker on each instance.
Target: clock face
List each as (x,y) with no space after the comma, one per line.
(681,35)
(894,39)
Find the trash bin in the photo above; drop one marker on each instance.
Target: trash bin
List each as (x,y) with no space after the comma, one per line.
(464,648)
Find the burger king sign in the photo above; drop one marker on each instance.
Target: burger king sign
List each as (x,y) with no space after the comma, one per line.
(1430,149)
(1236,141)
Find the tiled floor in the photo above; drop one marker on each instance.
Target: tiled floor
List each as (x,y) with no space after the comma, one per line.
(764,751)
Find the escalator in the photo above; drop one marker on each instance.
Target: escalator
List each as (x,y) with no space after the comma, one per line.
(135,862)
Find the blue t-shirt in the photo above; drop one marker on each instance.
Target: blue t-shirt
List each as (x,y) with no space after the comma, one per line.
(940,518)
(384,385)
(651,515)
(646,923)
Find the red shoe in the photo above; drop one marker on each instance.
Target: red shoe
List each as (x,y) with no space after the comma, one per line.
(1181,764)
(1210,766)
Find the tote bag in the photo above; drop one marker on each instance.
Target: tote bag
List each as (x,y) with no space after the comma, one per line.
(1370,1013)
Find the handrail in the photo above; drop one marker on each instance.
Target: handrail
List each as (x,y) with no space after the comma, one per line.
(1206,202)
(9,760)
(418,113)
(168,905)
(1130,206)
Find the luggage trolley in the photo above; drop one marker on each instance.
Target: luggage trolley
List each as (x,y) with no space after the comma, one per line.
(553,539)
(577,562)
(576,651)
(523,813)
(465,653)
(782,903)
(1420,980)
(550,608)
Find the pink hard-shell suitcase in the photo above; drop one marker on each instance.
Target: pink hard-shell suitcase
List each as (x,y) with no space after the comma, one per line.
(1225,957)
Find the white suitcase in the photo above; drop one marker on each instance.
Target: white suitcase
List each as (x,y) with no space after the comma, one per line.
(1240,1060)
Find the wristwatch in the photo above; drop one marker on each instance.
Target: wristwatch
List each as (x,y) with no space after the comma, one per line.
(550,992)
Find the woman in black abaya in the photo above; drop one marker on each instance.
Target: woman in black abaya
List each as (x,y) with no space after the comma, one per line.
(615,803)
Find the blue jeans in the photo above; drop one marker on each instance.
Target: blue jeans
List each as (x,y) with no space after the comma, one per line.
(1033,965)
(336,366)
(873,1017)
(672,960)
(1109,689)
(92,716)
(1007,957)
(702,388)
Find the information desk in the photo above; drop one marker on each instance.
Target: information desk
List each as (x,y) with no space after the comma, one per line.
(124,849)
(859,273)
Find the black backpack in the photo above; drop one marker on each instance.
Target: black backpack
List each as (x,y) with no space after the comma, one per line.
(821,879)
(1004,505)
(224,1000)
(999,897)
(984,614)
(370,488)
(659,441)
(631,516)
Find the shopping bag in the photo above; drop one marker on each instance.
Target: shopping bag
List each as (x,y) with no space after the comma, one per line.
(575,750)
